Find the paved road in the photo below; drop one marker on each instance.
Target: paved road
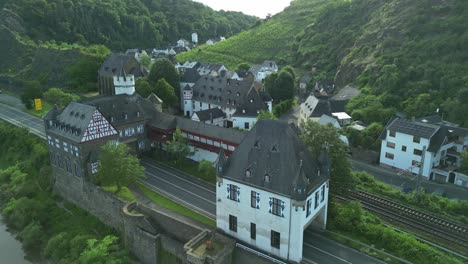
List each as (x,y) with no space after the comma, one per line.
(392,178)
(22,119)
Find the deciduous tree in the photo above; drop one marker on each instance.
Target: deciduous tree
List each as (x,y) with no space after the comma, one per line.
(316,136)
(166,92)
(164,69)
(118,167)
(179,147)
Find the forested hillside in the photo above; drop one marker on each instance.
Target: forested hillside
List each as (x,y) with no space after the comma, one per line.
(123,24)
(406,56)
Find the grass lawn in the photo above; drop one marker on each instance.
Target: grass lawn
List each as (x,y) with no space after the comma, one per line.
(124,193)
(173,206)
(45,108)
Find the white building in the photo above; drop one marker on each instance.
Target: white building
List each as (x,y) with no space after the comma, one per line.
(262,71)
(124,83)
(271,189)
(195,38)
(238,100)
(404,142)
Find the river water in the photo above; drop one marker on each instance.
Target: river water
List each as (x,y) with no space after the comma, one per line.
(11,251)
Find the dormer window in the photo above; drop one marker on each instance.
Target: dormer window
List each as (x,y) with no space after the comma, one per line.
(243,111)
(267,178)
(251,100)
(274,148)
(125,116)
(257,144)
(247,173)
(138,114)
(238,94)
(111,118)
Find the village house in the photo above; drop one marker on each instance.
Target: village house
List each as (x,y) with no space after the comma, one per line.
(213,41)
(429,144)
(314,106)
(238,100)
(260,72)
(271,189)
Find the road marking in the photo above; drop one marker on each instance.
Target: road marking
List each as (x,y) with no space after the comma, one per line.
(196,195)
(344,260)
(178,177)
(182,202)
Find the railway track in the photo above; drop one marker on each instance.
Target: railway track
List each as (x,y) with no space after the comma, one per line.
(435,226)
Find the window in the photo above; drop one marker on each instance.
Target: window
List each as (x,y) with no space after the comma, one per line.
(416,139)
(77,169)
(200,104)
(275,239)
(254,198)
(276,207)
(403,148)
(316,200)
(390,145)
(68,164)
(323,194)
(51,141)
(140,129)
(233,192)
(246,125)
(65,146)
(94,167)
(232,223)
(253,231)
(417,152)
(391,133)
(415,163)
(309,205)
(389,155)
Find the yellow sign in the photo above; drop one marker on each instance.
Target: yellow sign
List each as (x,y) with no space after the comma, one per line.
(38,104)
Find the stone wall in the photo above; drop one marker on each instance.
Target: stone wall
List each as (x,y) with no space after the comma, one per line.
(144,230)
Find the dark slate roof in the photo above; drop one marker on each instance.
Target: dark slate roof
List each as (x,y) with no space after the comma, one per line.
(265,97)
(273,148)
(166,121)
(412,127)
(114,63)
(73,121)
(209,114)
(190,75)
(254,69)
(252,104)
(268,64)
(134,106)
(226,93)
(211,66)
(221,133)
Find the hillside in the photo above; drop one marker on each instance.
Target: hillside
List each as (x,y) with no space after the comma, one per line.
(407,55)
(270,39)
(60,42)
(123,24)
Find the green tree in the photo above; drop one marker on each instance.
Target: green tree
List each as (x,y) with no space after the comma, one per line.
(290,70)
(166,92)
(164,69)
(146,60)
(179,147)
(58,97)
(243,67)
(82,73)
(143,88)
(206,168)
(464,162)
(118,167)
(32,91)
(280,86)
(315,137)
(103,251)
(266,115)
(32,236)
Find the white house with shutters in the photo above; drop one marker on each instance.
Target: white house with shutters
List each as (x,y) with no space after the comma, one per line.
(428,143)
(271,189)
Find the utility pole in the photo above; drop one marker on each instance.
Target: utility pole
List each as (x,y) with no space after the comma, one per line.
(421,167)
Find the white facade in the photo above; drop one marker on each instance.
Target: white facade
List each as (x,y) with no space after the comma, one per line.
(307,108)
(243,122)
(398,152)
(195,38)
(290,223)
(124,84)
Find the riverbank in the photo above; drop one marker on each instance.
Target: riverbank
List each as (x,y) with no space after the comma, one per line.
(10,248)
(46,225)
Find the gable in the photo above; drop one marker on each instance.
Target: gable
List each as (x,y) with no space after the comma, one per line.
(98,128)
